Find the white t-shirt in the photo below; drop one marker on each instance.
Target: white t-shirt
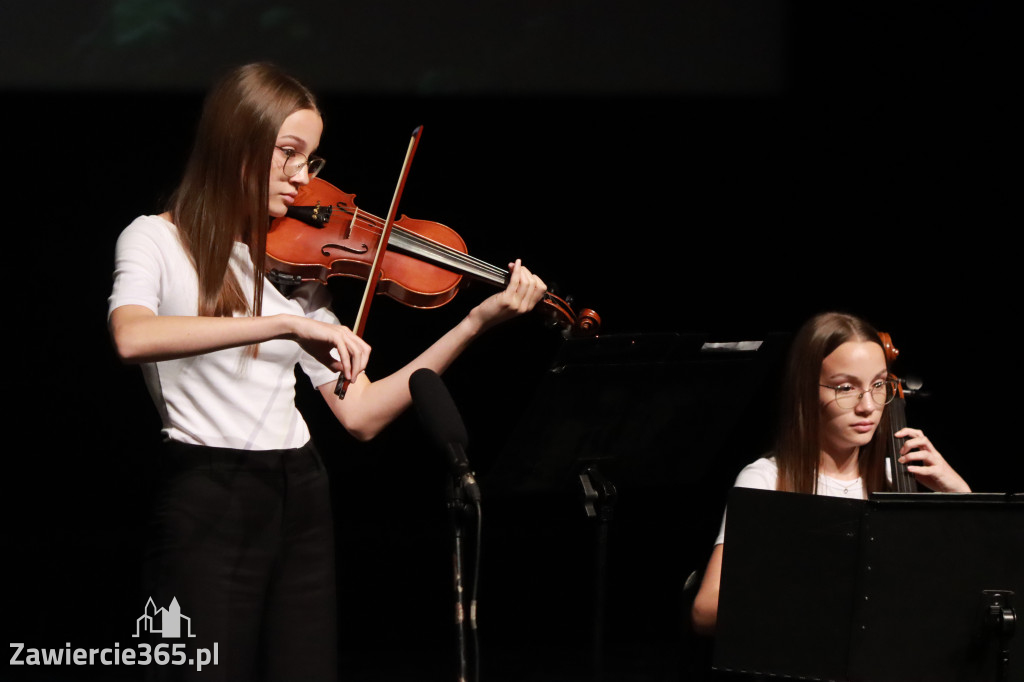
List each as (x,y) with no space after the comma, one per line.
(224,398)
(764,475)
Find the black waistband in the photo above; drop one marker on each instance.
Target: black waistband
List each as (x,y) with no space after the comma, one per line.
(177,456)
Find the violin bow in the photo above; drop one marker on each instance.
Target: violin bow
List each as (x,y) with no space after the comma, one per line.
(374,277)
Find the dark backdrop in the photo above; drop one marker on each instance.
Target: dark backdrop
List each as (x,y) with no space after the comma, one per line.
(681,168)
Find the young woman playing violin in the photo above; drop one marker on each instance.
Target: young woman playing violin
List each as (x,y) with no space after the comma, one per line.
(834,393)
(242,535)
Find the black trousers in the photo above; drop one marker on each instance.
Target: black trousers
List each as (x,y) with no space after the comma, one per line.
(242,543)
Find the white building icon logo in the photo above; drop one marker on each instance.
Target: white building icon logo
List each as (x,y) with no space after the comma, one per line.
(167,622)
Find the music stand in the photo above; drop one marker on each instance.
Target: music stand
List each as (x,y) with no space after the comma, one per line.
(640,406)
(637,410)
(896,588)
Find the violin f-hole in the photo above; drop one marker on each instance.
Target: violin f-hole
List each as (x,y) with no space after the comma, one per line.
(342,247)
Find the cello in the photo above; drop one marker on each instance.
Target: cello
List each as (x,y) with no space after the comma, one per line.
(902,480)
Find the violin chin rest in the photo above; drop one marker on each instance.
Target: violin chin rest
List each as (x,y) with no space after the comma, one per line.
(315,216)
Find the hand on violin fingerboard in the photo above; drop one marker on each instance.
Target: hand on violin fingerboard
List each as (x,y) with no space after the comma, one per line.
(522,293)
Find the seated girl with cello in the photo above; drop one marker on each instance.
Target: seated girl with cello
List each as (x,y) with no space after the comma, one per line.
(835,389)
(241,534)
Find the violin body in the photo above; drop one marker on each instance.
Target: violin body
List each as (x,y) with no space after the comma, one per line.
(325,235)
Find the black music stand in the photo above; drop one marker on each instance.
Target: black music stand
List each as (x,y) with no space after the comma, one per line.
(629,410)
(640,407)
(897,588)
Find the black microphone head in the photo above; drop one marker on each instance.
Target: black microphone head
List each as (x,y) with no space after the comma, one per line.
(437,410)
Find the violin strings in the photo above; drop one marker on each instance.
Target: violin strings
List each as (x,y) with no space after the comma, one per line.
(428,246)
(454,256)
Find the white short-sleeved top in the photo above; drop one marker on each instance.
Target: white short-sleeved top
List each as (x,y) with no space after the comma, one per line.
(764,475)
(224,398)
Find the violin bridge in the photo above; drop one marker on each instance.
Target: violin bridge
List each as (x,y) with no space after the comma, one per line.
(348,232)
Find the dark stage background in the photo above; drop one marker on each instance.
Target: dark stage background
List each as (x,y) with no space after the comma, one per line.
(683,168)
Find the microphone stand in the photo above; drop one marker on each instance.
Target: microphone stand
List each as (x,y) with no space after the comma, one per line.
(462,499)
(441,419)
(599,495)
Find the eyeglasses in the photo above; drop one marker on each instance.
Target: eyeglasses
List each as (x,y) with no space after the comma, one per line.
(294,161)
(847,396)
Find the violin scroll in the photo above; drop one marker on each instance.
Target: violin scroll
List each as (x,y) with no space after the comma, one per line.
(588,322)
(561,316)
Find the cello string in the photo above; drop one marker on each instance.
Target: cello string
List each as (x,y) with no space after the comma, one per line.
(904,480)
(897,475)
(893,452)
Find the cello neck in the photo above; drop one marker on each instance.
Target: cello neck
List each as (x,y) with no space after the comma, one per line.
(902,480)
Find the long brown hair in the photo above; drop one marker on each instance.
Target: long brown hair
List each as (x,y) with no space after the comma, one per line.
(798,447)
(223,195)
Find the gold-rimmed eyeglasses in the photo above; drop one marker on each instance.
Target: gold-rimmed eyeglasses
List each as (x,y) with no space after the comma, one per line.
(848,396)
(294,162)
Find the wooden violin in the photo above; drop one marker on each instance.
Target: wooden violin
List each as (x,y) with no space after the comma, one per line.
(902,480)
(324,234)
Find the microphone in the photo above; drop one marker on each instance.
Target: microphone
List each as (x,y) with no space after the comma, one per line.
(442,421)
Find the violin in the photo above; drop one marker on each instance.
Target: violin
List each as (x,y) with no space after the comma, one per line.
(324,234)
(902,480)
